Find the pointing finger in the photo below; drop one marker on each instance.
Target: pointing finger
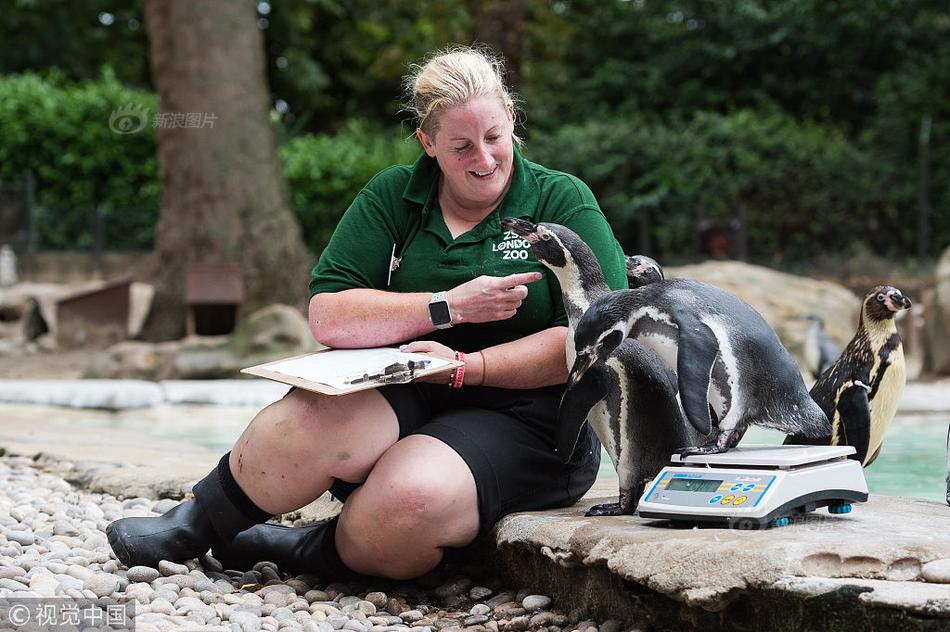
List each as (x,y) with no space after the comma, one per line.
(519,279)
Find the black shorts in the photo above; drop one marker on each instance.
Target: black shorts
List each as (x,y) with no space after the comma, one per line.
(507,438)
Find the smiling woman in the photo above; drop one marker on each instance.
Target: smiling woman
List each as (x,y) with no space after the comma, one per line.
(420,259)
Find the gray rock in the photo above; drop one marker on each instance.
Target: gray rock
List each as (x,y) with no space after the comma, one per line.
(337,621)
(454,588)
(394,606)
(936,572)
(510,609)
(24,538)
(476,619)
(378,599)
(316,595)
(610,625)
(535,602)
(102,584)
(478,593)
(499,599)
(9,572)
(541,620)
(366,607)
(248,622)
(479,608)
(164,505)
(517,624)
(410,615)
(169,569)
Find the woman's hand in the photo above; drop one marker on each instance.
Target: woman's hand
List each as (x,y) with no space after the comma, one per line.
(434,349)
(489,298)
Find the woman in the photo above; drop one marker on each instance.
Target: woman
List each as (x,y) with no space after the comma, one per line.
(419,256)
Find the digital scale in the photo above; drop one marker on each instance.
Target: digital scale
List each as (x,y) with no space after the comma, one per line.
(755,486)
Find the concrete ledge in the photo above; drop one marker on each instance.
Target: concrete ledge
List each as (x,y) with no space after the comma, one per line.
(864,566)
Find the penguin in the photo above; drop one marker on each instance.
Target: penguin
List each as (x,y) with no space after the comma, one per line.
(859,392)
(823,349)
(948,465)
(630,399)
(642,270)
(731,368)
(34,325)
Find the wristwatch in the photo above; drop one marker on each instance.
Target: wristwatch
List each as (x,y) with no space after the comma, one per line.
(439,312)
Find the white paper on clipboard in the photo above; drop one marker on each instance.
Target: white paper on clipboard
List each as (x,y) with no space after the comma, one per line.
(336,366)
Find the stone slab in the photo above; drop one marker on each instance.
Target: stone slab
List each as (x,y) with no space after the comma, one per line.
(887,540)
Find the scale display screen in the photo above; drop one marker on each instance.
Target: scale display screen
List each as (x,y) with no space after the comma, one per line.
(693,485)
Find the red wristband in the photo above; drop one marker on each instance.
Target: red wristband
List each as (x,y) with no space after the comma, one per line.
(459,373)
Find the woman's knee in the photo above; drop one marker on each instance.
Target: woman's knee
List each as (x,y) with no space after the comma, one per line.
(423,493)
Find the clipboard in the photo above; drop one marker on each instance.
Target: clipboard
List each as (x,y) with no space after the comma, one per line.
(327,371)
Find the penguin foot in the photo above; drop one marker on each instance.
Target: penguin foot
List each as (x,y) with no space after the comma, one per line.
(706,448)
(625,506)
(611,509)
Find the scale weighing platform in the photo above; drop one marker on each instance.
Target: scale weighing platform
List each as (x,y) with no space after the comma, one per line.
(755,486)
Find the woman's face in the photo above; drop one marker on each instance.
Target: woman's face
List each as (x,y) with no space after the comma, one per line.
(473,149)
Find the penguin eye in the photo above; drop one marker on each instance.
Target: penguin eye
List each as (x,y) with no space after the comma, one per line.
(881,297)
(546,236)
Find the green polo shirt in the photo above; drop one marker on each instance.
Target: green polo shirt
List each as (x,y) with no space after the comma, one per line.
(399,208)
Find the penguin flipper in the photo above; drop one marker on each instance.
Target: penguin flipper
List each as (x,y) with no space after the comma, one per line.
(854,413)
(698,350)
(576,403)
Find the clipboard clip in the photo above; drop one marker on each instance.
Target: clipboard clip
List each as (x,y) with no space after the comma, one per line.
(395,373)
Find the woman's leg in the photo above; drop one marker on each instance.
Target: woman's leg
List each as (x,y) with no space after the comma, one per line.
(293,449)
(419,497)
(287,457)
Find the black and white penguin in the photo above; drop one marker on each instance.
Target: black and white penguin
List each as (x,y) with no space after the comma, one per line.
(732,369)
(860,391)
(630,399)
(643,270)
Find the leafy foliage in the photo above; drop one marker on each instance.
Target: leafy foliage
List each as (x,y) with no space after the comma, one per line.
(802,188)
(60,133)
(804,116)
(326,171)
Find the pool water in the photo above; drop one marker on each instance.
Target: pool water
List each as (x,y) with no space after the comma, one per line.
(912,462)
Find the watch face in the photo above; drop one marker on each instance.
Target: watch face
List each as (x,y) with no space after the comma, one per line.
(439,313)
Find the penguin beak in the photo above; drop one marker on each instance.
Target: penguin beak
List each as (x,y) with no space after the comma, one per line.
(522,226)
(897,302)
(581,364)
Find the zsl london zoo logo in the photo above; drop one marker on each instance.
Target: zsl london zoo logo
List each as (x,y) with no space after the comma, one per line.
(512,246)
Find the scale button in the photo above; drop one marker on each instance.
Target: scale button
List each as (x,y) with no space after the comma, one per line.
(727,500)
(739,500)
(748,488)
(715,499)
(735,487)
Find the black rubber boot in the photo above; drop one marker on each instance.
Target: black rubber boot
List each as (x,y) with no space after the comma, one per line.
(188,530)
(310,549)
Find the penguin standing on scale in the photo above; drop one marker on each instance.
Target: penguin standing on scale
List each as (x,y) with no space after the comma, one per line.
(731,368)
(630,399)
(859,392)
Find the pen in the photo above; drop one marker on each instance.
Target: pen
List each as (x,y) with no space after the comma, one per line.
(395,373)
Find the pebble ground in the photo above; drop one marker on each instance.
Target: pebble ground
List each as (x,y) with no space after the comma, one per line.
(53,544)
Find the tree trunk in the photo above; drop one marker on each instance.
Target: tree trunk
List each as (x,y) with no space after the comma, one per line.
(500,24)
(224,197)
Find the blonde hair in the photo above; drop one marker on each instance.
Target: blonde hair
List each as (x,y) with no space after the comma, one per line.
(451,78)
